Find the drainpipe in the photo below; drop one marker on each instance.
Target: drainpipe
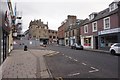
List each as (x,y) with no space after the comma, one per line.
(119,20)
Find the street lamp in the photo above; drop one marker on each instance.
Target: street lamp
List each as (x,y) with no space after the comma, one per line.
(70,33)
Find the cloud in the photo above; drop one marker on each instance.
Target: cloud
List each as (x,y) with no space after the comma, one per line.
(56,11)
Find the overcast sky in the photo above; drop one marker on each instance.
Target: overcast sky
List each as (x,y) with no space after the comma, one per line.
(56,11)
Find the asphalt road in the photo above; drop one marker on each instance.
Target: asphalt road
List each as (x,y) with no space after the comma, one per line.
(69,63)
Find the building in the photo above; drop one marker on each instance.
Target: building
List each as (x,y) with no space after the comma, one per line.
(69,31)
(53,36)
(6,24)
(70,22)
(40,31)
(102,29)
(61,33)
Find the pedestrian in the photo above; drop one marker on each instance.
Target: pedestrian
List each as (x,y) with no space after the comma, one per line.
(25,48)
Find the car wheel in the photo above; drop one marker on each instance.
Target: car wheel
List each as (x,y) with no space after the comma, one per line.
(112,51)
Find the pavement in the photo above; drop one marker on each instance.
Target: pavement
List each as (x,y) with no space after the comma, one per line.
(26,64)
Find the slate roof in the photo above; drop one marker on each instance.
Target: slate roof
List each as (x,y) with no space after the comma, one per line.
(101,15)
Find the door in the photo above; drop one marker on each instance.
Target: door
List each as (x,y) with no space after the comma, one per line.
(96,42)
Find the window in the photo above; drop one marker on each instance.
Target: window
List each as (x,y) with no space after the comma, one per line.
(73,32)
(94,26)
(107,23)
(113,6)
(91,16)
(54,37)
(66,34)
(117,45)
(86,29)
(50,36)
(49,31)
(87,41)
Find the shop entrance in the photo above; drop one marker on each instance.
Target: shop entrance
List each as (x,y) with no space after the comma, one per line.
(96,42)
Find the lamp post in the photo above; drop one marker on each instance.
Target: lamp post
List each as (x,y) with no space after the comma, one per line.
(70,33)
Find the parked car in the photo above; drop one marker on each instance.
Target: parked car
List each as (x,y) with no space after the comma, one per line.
(77,46)
(115,48)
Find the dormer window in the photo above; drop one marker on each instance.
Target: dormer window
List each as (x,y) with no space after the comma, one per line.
(113,6)
(92,16)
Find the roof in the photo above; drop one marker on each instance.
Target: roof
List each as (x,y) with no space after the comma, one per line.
(100,15)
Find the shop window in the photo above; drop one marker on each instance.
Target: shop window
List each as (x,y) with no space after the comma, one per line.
(87,42)
(107,23)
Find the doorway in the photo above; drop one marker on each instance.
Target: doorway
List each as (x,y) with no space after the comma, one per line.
(96,42)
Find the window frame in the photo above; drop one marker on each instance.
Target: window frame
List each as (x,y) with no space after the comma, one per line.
(93,27)
(105,23)
(86,27)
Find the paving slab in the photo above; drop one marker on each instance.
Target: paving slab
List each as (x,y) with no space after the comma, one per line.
(25,64)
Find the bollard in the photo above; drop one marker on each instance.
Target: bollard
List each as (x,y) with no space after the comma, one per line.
(25,48)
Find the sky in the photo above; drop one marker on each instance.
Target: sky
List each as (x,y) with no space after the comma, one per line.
(56,11)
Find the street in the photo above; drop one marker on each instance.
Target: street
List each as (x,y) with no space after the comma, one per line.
(69,63)
(59,40)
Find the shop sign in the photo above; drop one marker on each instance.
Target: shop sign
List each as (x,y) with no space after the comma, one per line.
(109,31)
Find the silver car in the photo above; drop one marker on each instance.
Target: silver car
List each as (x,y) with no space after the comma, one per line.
(77,46)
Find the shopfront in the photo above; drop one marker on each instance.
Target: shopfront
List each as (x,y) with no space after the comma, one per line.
(108,37)
(87,41)
(4,30)
(72,40)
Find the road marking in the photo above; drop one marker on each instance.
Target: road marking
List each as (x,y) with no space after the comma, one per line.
(66,56)
(74,74)
(75,60)
(94,71)
(92,67)
(84,64)
(70,57)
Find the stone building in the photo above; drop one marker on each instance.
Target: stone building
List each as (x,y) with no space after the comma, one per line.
(72,31)
(40,31)
(53,36)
